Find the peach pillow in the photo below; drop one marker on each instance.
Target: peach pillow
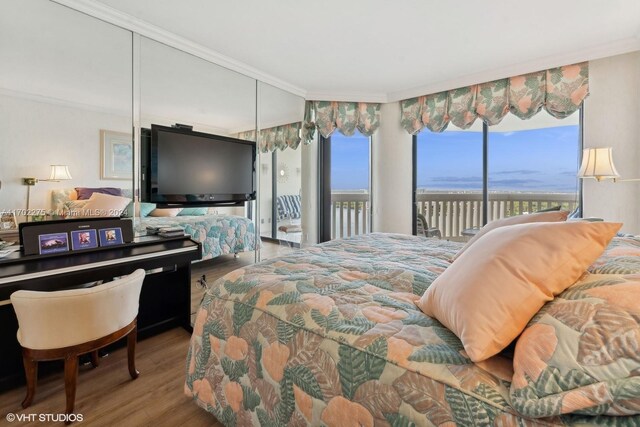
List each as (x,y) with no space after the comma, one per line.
(105,205)
(165,212)
(489,295)
(553,216)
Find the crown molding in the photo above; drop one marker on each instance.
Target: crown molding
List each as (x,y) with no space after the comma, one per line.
(115,17)
(618,47)
(348,97)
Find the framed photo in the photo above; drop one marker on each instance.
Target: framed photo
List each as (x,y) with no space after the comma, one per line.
(111,236)
(53,243)
(116,158)
(8,221)
(84,239)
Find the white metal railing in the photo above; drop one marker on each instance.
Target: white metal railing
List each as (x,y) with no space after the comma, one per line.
(451,213)
(350,214)
(454,212)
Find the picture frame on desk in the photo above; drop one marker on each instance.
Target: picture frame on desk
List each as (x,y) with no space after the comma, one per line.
(111,236)
(121,232)
(53,243)
(84,239)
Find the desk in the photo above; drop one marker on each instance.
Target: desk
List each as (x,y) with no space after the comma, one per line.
(165,298)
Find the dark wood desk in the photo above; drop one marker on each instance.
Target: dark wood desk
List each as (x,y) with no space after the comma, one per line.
(165,300)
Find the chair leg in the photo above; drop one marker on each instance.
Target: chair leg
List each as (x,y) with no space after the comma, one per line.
(95,361)
(31,373)
(131,352)
(70,379)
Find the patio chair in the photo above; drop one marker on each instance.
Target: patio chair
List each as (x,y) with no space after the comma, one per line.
(423,229)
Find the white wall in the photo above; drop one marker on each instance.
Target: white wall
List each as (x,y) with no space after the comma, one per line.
(309,192)
(292,159)
(35,135)
(391,173)
(612,119)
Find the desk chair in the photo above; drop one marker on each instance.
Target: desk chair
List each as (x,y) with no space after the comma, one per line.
(66,324)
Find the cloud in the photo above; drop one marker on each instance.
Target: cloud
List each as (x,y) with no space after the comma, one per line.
(517,172)
(568,173)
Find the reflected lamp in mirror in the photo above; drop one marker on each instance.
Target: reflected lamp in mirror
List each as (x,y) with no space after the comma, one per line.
(283,173)
(58,173)
(597,163)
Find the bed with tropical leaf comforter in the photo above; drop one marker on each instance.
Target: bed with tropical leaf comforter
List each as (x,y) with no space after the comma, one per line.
(330,335)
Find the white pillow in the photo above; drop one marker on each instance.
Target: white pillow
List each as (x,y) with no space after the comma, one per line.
(105,205)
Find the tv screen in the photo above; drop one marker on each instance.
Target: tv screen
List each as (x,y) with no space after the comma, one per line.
(192,168)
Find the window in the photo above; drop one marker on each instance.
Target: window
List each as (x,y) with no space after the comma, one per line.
(449,178)
(348,186)
(531,165)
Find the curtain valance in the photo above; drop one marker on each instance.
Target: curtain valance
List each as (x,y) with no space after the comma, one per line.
(560,91)
(327,116)
(278,137)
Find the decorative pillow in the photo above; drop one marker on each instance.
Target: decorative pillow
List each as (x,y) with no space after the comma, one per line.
(100,204)
(553,216)
(75,204)
(75,208)
(84,193)
(490,293)
(622,256)
(146,208)
(165,212)
(193,212)
(580,353)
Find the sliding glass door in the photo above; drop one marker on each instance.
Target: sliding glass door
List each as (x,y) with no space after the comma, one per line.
(345,185)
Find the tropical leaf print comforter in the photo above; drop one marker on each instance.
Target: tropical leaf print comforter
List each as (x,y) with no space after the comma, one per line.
(219,234)
(330,335)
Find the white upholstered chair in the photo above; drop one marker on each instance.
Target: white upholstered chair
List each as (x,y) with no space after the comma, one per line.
(66,324)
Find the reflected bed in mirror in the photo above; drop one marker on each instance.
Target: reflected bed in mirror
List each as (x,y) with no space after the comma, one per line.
(219,233)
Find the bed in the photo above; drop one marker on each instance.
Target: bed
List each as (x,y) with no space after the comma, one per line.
(330,335)
(219,234)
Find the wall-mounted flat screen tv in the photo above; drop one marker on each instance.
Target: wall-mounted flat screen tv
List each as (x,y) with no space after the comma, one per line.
(183,167)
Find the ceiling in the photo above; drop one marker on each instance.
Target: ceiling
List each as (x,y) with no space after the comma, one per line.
(381,50)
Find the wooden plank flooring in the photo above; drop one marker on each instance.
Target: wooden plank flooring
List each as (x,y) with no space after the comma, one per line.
(106,396)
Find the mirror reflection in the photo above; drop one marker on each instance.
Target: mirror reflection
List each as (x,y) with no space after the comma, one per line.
(65,103)
(191,111)
(281,172)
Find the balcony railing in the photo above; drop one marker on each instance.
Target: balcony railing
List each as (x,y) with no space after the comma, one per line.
(450,212)
(349,214)
(454,212)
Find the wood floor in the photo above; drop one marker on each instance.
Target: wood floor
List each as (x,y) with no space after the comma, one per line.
(106,396)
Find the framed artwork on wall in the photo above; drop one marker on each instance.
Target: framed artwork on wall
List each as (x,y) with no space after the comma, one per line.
(8,221)
(116,155)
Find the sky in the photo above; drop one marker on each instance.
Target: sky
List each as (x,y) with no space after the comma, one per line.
(525,160)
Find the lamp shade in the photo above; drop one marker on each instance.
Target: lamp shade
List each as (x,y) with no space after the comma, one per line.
(59,173)
(598,163)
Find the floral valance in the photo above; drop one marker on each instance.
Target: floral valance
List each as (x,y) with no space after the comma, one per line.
(278,137)
(327,116)
(560,91)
